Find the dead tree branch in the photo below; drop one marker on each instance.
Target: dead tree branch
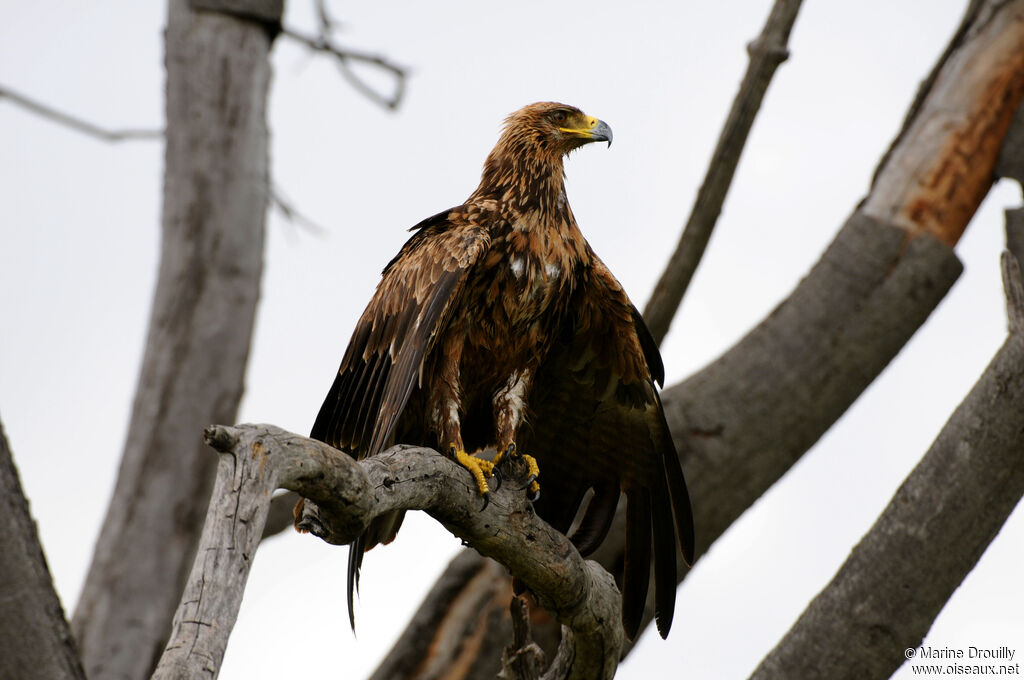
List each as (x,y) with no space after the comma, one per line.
(929,182)
(344,58)
(214,210)
(75,123)
(930,536)
(345,495)
(35,639)
(277,199)
(766,52)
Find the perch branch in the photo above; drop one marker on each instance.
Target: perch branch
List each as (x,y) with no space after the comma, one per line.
(343,496)
(766,52)
(930,536)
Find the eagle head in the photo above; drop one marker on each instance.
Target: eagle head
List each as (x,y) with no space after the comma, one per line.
(553,129)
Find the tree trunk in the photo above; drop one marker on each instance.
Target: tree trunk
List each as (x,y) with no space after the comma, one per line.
(215,198)
(35,640)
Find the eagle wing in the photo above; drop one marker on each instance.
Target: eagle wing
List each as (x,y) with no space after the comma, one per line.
(596,422)
(391,341)
(396,332)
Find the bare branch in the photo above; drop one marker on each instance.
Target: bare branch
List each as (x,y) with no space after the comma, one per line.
(277,199)
(944,160)
(927,540)
(344,58)
(523,659)
(344,495)
(75,123)
(35,640)
(1014,291)
(292,214)
(766,52)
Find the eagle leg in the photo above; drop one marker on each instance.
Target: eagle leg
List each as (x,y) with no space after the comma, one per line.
(480,468)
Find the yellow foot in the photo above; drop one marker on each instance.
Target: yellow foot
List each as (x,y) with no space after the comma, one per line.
(531,462)
(478,467)
(532,484)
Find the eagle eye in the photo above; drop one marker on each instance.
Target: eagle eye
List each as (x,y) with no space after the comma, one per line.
(558,117)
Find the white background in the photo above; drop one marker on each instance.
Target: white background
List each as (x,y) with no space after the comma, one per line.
(79,240)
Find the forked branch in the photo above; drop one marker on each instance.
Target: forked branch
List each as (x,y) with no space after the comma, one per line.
(345,495)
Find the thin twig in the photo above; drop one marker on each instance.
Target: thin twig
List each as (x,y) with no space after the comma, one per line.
(766,53)
(75,123)
(291,213)
(344,57)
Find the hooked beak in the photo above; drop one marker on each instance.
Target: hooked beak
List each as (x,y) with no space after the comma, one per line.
(601,133)
(593,130)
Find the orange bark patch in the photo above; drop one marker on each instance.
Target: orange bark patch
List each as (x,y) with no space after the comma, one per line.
(942,168)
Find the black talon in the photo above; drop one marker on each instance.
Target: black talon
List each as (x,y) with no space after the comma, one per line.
(487,500)
(533,498)
(497,477)
(511,450)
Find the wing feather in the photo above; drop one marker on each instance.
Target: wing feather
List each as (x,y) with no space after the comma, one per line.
(395,334)
(596,421)
(392,340)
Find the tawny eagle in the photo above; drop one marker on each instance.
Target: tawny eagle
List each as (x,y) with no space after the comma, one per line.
(497,326)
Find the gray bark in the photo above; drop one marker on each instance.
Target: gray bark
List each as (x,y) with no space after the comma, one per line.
(215,197)
(750,415)
(35,640)
(343,495)
(887,593)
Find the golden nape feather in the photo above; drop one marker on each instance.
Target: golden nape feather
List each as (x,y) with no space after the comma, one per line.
(496,326)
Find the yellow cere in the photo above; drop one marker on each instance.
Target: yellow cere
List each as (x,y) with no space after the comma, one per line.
(589,123)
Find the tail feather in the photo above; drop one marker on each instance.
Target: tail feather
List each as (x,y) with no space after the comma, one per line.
(664,558)
(597,520)
(355,562)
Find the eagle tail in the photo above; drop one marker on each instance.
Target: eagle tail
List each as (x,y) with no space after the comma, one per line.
(355,562)
(382,529)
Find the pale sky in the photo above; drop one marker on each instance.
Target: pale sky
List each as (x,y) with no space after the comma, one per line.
(79,242)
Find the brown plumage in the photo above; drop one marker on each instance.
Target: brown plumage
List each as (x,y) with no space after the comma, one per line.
(497,325)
